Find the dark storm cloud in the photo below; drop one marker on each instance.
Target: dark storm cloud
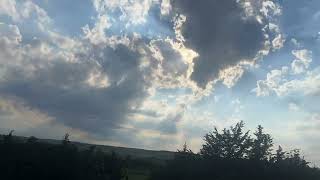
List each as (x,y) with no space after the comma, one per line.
(217,30)
(59,89)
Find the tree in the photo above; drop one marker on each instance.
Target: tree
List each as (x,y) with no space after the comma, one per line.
(261,145)
(295,159)
(232,143)
(280,155)
(7,139)
(66,140)
(185,149)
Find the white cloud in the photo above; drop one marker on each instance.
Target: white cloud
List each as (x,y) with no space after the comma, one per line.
(165,7)
(97,35)
(278,41)
(98,79)
(8,7)
(231,75)
(295,42)
(132,12)
(269,8)
(10,34)
(302,61)
(293,107)
(285,81)
(278,84)
(272,82)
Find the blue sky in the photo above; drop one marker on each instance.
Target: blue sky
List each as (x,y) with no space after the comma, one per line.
(156,73)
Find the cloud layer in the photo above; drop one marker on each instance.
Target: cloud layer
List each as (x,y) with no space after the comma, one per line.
(155,73)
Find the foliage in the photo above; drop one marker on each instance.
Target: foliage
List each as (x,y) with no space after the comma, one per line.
(262,145)
(232,143)
(34,160)
(233,155)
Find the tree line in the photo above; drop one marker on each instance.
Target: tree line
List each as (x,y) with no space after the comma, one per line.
(230,154)
(233,154)
(31,159)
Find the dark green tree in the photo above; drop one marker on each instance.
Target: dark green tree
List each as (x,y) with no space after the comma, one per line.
(279,156)
(232,143)
(294,158)
(261,145)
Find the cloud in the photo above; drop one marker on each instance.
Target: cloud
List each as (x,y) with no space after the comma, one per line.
(83,85)
(272,82)
(218,33)
(137,72)
(302,61)
(283,83)
(231,75)
(60,91)
(278,42)
(92,83)
(132,12)
(294,107)
(8,7)
(166,7)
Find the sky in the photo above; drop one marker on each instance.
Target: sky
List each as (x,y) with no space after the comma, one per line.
(154,74)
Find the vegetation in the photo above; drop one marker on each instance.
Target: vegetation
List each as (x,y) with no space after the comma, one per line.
(234,155)
(231,154)
(32,159)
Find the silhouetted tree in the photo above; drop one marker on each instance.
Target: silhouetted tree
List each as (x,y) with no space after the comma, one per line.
(66,140)
(279,155)
(7,139)
(232,143)
(185,149)
(225,156)
(261,145)
(295,159)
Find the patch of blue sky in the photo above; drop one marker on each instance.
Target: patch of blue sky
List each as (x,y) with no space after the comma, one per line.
(5,19)
(278,59)
(220,102)
(314,46)
(266,110)
(28,29)
(171,95)
(155,26)
(300,18)
(69,16)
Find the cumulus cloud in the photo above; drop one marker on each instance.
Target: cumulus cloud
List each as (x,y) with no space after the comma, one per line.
(302,61)
(106,82)
(93,83)
(285,82)
(272,82)
(7,7)
(132,12)
(82,84)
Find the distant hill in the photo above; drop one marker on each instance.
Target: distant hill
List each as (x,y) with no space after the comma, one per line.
(133,153)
